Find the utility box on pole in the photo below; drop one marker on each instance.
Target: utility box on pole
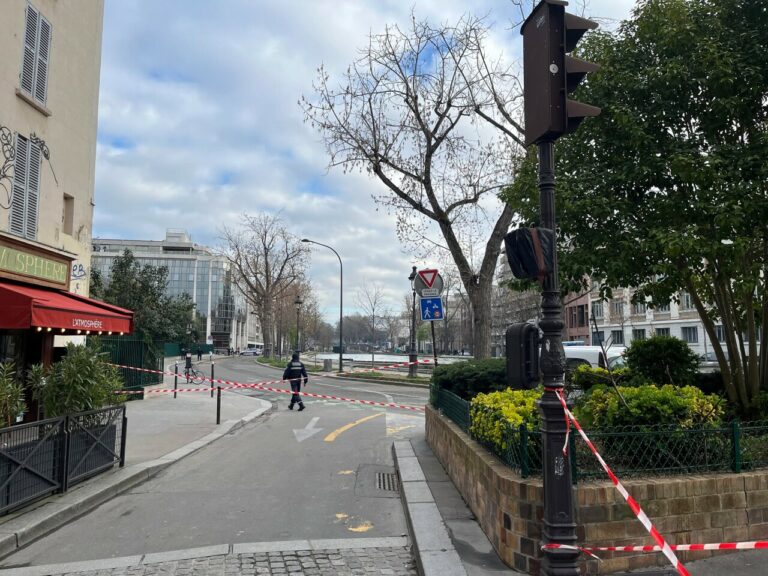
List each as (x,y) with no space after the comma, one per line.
(522,356)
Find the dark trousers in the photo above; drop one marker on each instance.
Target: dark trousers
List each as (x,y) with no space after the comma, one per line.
(295,387)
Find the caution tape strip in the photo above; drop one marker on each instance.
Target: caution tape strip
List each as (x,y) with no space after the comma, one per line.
(638,511)
(231,385)
(756,545)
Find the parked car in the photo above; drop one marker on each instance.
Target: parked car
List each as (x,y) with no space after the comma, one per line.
(249,352)
(593,356)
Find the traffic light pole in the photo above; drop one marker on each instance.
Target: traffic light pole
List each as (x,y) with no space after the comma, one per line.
(559,525)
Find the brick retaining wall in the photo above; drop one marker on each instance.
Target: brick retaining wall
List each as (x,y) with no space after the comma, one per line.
(685,509)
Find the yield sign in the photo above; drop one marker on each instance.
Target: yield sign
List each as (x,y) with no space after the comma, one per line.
(428,276)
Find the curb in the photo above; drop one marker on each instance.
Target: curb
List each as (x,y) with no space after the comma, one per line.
(432,545)
(59,509)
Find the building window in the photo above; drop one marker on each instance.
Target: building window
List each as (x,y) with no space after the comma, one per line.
(638,334)
(638,308)
(68,217)
(686,302)
(581,312)
(26,189)
(720,333)
(662,307)
(662,332)
(690,334)
(597,309)
(598,337)
(37,47)
(617,337)
(617,308)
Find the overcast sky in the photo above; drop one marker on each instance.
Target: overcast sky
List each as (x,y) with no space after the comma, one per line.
(199,122)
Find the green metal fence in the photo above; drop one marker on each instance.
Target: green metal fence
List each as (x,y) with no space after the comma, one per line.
(129,351)
(629,450)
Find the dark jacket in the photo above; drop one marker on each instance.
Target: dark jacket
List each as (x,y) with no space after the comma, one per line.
(295,371)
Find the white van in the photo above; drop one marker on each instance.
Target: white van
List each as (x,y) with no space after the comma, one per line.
(593,356)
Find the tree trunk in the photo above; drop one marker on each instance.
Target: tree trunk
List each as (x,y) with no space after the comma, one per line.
(480,301)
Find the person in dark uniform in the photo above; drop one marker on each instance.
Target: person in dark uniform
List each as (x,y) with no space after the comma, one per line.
(296,372)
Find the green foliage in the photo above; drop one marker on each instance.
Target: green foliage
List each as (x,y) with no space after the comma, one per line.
(467,379)
(585,377)
(11,395)
(142,290)
(80,381)
(710,383)
(497,414)
(650,405)
(663,359)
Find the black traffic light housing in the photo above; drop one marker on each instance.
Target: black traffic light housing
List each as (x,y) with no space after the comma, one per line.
(549,33)
(522,356)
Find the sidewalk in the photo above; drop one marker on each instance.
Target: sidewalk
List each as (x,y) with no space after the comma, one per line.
(161,430)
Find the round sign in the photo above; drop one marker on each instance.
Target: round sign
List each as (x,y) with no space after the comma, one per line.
(421,286)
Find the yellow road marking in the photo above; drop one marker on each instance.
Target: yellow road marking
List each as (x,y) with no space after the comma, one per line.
(335,434)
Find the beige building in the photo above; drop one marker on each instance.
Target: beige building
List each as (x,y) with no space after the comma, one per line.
(49,94)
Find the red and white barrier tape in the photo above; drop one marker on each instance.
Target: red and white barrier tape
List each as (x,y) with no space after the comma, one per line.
(658,538)
(230,385)
(757,545)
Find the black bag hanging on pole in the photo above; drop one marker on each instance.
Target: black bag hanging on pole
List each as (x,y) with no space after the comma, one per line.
(530,252)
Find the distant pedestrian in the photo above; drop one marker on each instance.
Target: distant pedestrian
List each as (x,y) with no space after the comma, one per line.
(199,353)
(296,372)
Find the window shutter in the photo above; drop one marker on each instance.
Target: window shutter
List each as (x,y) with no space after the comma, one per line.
(16,218)
(30,49)
(43,51)
(33,191)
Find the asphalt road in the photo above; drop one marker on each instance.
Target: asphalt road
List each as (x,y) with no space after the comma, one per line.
(286,476)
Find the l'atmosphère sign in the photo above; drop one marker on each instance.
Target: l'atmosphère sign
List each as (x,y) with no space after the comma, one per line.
(20,262)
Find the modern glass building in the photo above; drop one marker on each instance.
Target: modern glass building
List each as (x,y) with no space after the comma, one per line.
(221,311)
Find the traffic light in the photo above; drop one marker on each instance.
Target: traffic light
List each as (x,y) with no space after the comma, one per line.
(549,34)
(522,356)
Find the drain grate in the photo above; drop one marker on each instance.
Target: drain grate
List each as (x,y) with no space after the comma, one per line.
(386,481)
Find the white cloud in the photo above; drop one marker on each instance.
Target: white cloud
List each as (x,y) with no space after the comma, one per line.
(199,122)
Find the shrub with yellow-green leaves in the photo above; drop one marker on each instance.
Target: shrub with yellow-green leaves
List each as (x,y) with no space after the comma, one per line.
(650,405)
(497,414)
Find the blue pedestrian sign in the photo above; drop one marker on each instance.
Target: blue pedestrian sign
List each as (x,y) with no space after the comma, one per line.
(431,309)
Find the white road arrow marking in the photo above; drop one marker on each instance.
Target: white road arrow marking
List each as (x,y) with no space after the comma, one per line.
(308,431)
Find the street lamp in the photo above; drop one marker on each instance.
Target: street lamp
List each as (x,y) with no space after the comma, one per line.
(341,298)
(298,302)
(413,357)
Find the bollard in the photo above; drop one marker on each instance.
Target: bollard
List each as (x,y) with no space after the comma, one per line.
(211,378)
(123,437)
(175,378)
(218,405)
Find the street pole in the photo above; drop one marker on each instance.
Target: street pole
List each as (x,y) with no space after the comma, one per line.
(559,525)
(413,357)
(341,300)
(298,302)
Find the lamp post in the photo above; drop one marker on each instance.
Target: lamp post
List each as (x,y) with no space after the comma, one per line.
(413,357)
(341,299)
(298,302)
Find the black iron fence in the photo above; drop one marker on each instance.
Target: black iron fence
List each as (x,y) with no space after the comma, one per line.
(49,456)
(628,450)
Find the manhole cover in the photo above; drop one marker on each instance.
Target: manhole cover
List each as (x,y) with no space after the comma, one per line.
(386,481)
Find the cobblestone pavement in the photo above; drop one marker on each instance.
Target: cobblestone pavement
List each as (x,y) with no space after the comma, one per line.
(349,562)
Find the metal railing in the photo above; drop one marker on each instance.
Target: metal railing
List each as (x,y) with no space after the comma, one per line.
(629,450)
(49,456)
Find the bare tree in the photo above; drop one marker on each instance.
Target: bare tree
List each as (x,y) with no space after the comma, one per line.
(427,112)
(268,261)
(370,299)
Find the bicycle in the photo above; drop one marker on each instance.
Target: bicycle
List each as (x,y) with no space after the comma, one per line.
(194,376)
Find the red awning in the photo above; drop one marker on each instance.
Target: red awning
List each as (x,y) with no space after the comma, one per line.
(23,306)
